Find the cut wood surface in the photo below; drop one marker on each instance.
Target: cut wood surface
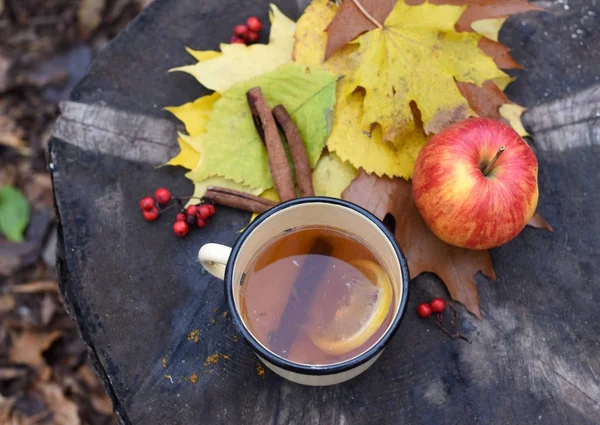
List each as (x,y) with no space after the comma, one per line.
(157,325)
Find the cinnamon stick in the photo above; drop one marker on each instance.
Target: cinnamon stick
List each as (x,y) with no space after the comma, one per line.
(296,310)
(297,150)
(266,127)
(239,200)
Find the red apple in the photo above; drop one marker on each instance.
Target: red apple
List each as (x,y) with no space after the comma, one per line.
(475,183)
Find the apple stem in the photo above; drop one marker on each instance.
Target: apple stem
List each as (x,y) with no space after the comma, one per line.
(489,167)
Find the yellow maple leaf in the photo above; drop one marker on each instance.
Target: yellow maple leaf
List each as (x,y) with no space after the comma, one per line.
(194,115)
(332,176)
(239,62)
(512,113)
(417,55)
(489,28)
(187,157)
(368,150)
(203,55)
(348,139)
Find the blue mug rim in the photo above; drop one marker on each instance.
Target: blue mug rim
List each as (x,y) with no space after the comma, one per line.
(316,369)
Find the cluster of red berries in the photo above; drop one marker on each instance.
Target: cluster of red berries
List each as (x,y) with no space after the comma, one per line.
(436,305)
(246,34)
(192,215)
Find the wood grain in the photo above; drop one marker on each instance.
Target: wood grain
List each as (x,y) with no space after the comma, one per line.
(137,291)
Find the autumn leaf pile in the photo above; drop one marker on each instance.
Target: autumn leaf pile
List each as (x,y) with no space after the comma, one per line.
(366,89)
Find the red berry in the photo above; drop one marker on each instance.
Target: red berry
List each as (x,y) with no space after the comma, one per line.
(236,40)
(240,31)
(162,195)
(254,24)
(151,215)
(181,228)
(437,305)
(212,209)
(192,210)
(424,310)
(252,37)
(147,203)
(201,222)
(204,211)
(180,217)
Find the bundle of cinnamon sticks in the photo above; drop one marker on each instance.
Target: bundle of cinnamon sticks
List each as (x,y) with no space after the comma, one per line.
(267,122)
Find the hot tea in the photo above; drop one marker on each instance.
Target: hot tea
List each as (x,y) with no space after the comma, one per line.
(316,295)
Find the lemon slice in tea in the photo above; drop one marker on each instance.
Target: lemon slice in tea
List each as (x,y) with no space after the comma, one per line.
(366,305)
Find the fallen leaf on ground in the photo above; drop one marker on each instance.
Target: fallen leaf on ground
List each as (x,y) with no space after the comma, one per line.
(28,347)
(7,303)
(64,411)
(102,404)
(89,16)
(7,373)
(5,65)
(11,134)
(308,95)
(350,22)
(540,222)
(424,251)
(33,287)
(47,309)
(240,62)
(14,213)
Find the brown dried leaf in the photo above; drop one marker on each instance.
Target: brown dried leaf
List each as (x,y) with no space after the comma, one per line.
(488,9)
(5,65)
(88,376)
(47,309)
(499,53)
(424,251)
(350,22)
(486,100)
(7,303)
(33,287)
(8,373)
(64,411)
(102,404)
(89,16)
(6,408)
(482,9)
(28,347)
(540,222)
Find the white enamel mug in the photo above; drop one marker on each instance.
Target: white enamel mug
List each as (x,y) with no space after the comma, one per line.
(229,264)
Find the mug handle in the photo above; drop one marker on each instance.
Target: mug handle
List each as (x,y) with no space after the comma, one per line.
(213,258)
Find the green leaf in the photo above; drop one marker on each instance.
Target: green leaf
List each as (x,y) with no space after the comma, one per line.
(232,147)
(14,213)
